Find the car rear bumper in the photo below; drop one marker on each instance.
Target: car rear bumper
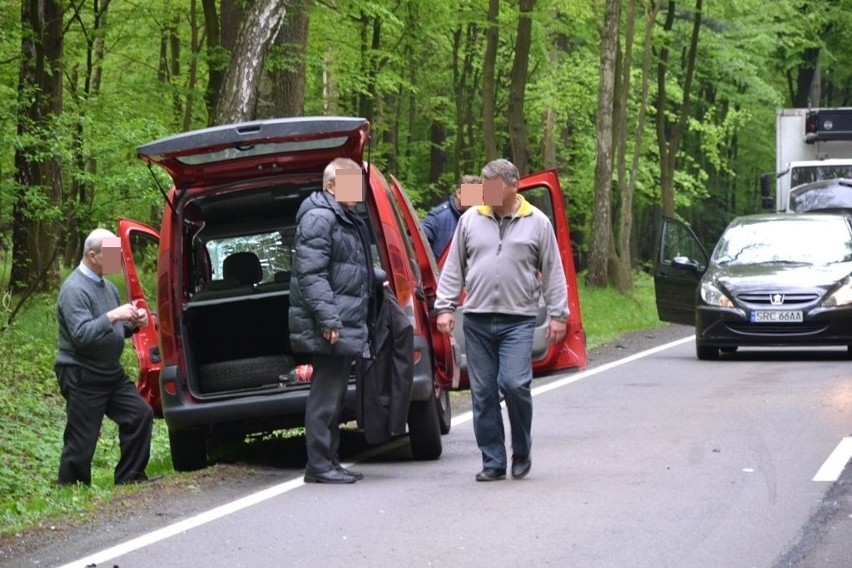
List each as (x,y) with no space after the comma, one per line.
(731,327)
(266,411)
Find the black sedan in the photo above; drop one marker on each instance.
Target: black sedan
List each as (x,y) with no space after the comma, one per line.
(773,280)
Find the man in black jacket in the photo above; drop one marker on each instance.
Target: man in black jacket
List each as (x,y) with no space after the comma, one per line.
(330,289)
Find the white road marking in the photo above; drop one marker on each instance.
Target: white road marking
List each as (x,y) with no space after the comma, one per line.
(836,462)
(244,502)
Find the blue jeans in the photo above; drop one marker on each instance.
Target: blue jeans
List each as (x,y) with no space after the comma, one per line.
(499,360)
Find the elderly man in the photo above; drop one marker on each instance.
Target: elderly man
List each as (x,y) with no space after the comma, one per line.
(330,290)
(92,330)
(507,257)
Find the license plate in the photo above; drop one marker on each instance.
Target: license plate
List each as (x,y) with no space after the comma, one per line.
(776,316)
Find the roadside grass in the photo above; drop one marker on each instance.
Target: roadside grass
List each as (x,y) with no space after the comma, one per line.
(32,412)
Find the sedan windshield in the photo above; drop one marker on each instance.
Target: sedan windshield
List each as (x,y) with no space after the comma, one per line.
(795,241)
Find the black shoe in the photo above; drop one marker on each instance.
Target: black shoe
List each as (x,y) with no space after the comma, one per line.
(520,467)
(330,476)
(491,474)
(356,474)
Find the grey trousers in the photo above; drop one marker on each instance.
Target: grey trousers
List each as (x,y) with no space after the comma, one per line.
(322,412)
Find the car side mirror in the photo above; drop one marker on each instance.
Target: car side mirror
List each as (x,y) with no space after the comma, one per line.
(686,263)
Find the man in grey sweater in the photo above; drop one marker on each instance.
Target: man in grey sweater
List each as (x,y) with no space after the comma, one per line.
(506,257)
(92,330)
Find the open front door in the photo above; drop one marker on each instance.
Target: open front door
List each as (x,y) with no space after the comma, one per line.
(543,191)
(447,373)
(680,263)
(139,249)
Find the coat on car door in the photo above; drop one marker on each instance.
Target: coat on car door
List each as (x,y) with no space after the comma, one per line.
(680,262)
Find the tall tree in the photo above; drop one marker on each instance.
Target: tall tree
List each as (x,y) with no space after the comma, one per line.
(670,131)
(238,96)
(489,82)
(288,78)
(597,274)
(37,168)
(518,87)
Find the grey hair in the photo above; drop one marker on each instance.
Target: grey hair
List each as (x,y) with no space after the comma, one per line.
(503,169)
(330,173)
(95,240)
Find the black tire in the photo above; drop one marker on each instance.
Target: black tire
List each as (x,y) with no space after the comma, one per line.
(189,450)
(706,352)
(424,429)
(445,411)
(251,372)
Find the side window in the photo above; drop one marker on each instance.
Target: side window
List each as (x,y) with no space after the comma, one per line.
(678,241)
(406,237)
(540,198)
(145,249)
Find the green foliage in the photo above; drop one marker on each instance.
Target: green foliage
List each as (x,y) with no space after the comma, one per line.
(608,314)
(33,420)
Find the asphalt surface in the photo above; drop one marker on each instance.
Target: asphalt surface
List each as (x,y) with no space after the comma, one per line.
(642,466)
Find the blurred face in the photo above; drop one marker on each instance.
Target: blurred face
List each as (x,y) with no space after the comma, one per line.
(347,187)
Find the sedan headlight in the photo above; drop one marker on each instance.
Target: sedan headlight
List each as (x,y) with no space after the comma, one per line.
(714,297)
(840,297)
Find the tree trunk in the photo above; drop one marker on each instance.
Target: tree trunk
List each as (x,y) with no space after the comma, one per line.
(621,263)
(597,274)
(238,97)
(192,74)
(35,245)
(669,134)
(437,156)
(288,83)
(517,91)
(81,193)
(489,85)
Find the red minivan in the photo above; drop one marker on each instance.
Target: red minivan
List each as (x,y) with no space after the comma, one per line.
(217,361)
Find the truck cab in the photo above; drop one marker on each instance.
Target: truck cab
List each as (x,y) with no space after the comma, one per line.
(813,161)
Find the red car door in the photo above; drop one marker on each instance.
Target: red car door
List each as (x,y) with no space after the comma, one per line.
(447,372)
(543,191)
(139,250)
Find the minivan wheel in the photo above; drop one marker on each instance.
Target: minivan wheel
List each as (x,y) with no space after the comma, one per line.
(706,352)
(445,411)
(189,449)
(424,429)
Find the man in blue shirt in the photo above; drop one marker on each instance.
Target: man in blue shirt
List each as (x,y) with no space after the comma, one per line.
(440,223)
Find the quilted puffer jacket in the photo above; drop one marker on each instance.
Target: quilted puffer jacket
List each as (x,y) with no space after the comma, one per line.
(330,280)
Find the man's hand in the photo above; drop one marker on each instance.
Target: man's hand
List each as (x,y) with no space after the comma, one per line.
(556,331)
(142,317)
(125,312)
(446,322)
(331,335)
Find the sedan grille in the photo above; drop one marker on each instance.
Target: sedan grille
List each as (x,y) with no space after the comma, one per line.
(776,329)
(765,299)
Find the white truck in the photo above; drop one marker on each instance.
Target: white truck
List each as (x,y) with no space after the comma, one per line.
(813,161)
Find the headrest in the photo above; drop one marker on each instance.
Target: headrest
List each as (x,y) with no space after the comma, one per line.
(244,266)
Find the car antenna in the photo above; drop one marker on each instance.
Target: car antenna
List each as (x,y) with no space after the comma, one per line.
(160,187)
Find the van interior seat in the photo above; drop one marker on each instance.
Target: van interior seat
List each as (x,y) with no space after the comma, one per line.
(244,266)
(279,284)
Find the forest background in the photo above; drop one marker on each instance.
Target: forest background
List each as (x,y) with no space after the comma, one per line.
(644,107)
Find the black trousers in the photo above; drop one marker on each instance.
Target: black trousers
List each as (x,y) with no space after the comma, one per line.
(322,412)
(88,398)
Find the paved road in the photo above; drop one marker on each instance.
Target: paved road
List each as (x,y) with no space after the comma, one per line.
(645,460)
